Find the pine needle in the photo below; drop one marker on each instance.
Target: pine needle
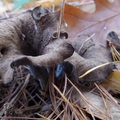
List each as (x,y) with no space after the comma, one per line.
(83,97)
(65,99)
(92,69)
(106,94)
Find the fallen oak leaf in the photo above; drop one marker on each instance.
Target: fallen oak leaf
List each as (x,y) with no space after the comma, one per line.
(101,22)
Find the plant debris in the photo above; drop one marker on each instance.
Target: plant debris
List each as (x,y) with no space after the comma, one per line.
(50,81)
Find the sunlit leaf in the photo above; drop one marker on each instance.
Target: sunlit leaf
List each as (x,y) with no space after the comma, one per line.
(113,82)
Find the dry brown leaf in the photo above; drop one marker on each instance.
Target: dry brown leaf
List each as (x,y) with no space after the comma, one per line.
(113,110)
(101,22)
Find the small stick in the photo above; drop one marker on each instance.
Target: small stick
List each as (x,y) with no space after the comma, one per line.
(61,17)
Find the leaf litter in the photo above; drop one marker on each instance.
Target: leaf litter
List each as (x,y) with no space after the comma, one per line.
(23,98)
